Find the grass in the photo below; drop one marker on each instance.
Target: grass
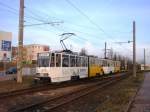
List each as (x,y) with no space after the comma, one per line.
(120,94)
(11,85)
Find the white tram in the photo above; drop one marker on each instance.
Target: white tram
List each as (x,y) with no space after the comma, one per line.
(58,67)
(110,66)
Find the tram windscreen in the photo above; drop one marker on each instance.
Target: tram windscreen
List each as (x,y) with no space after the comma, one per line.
(43,60)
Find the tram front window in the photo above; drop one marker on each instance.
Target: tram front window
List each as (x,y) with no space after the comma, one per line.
(43,62)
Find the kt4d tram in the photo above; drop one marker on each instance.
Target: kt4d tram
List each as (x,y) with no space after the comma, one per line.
(59,67)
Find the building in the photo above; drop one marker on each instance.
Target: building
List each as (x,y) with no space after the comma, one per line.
(33,49)
(15,53)
(30,52)
(146,67)
(5,45)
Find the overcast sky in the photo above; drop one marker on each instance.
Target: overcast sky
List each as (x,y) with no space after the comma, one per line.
(110,21)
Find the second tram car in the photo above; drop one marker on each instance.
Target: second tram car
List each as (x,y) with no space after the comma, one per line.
(95,68)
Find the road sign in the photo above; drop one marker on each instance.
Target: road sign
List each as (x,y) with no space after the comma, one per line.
(6,45)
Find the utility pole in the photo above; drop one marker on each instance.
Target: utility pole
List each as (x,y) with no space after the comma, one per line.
(134,49)
(105,53)
(20,42)
(144,59)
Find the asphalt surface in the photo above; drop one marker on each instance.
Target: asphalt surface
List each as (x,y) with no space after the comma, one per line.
(142,100)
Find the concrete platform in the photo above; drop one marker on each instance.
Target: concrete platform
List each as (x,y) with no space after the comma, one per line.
(142,100)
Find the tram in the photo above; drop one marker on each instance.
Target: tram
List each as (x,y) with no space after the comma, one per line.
(62,66)
(59,67)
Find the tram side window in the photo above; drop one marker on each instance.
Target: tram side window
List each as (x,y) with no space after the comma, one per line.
(78,61)
(108,64)
(118,63)
(101,63)
(97,61)
(83,62)
(65,62)
(113,64)
(72,61)
(90,61)
(86,61)
(52,63)
(104,63)
(58,60)
(94,61)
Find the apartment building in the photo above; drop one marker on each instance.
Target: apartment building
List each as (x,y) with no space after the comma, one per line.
(30,51)
(33,49)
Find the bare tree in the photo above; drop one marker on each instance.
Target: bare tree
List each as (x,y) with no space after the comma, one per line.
(110,54)
(83,52)
(114,56)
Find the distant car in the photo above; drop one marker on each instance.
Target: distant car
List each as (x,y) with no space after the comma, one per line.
(12,70)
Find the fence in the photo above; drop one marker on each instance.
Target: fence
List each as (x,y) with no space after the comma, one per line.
(25,71)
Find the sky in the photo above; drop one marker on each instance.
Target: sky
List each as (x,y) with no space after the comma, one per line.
(93,21)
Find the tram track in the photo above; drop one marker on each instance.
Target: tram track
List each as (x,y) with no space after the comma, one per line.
(43,87)
(47,86)
(52,103)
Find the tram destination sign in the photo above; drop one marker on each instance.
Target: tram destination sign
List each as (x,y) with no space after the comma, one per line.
(43,54)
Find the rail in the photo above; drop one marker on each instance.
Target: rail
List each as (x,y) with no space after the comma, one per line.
(52,103)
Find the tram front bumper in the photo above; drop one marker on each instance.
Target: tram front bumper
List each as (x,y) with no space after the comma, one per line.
(42,79)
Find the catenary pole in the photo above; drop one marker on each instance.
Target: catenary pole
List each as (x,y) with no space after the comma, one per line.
(134,49)
(20,42)
(144,59)
(105,52)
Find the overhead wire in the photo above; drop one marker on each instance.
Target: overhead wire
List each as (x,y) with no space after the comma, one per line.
(9,9)
(16,12)
(79,31)
(38,18)
(92,23)
(89,19)
(82,39)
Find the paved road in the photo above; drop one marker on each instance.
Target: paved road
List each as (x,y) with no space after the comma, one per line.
(142,100)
